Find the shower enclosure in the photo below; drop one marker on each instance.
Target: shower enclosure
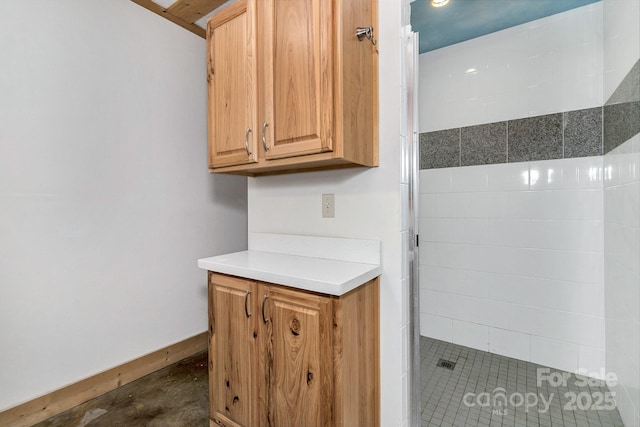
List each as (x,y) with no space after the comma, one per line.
(530,222)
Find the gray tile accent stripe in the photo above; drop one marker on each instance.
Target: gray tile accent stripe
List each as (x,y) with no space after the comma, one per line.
(535,138)
(583,133)
(440,149)
(621,117)
(621,123)
(554,136)
(483,144)
(579,133)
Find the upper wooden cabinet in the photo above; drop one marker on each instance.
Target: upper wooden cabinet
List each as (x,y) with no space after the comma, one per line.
(232,76)
(291,86)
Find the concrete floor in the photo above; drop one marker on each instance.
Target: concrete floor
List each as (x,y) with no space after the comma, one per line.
(176,396)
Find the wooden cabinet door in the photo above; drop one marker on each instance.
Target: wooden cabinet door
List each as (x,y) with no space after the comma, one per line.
(232,78)
(299,365)
(233,383)
(297,70)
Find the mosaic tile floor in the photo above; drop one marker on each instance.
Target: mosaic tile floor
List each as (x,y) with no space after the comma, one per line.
(486,390)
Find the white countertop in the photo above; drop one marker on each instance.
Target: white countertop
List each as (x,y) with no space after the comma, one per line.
(327,276)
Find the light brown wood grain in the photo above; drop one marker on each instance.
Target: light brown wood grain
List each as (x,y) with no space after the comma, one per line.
(300,366)
(292,73)
(356,357)
(357,83)
(232,351)
(321,161)
(232,79)
(318,90)
(192,10)
(159,10)
(58,401)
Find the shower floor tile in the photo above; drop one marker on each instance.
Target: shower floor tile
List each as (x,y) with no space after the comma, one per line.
(489,390)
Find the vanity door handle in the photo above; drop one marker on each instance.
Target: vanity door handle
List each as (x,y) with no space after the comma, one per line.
(264,299)
(246,141)
(246,304)
(264,136)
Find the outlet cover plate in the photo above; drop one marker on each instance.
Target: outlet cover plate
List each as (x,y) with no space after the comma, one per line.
(328,206)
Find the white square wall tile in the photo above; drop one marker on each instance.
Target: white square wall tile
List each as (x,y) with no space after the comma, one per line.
(470,231)
(436,327)
(435,180)
(492,204)
(591,362)
(509,343)
(428,301)
(555,354)
(547,234)
(471,335)
(488,312)
(546,175)
(453,306)
(427,205)
(508,177)
(470,178)
(583,173)
(558,325)
(556,204)
(428,253)
(436,229)
(452,205)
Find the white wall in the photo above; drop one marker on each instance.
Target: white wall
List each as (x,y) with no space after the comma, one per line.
(106,202)
(622,218)
(511,260)
(367,205)
(550,65)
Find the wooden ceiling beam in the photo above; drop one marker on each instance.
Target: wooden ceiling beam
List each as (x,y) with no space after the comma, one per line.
(192,10)
(159,10)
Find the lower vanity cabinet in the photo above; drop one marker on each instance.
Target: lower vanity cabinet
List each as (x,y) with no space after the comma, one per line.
(234,374)
(282,357)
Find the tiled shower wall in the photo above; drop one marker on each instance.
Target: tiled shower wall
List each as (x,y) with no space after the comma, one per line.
(542,67)
(512,247)
(622,201)
(512,260)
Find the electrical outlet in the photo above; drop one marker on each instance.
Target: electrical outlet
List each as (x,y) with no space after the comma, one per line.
(328,206)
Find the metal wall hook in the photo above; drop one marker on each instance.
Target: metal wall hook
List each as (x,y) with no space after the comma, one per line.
(362,32)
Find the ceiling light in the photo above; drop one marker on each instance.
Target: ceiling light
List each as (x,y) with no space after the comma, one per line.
(439,3)
(471,71)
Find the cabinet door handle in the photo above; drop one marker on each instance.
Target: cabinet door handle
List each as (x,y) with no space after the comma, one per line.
(264,299)
(246,141)
(246,304)
(264,136)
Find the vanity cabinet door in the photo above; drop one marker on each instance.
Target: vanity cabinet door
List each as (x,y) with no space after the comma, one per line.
(233,337)
(232,78)
(297,77)
(299,367)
